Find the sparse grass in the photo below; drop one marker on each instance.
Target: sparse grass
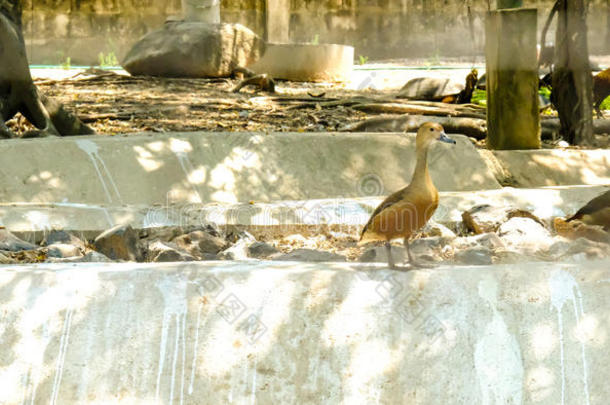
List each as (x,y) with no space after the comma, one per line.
(363,59)
(67,63)
(108,60)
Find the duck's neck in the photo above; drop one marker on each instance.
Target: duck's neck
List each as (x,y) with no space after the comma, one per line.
(421,175)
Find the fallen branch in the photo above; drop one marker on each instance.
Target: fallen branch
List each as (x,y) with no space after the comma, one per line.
(398,108)
(473,127)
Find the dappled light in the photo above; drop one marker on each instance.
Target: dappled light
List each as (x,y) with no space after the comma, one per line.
(295,202)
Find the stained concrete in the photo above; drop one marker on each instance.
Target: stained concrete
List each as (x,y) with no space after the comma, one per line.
(226,167)
(32,221)
(293,333)
(549,167)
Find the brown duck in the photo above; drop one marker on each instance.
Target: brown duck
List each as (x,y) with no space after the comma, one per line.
(406,211)
(595,212)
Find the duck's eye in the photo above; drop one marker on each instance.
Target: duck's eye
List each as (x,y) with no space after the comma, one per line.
(431,129)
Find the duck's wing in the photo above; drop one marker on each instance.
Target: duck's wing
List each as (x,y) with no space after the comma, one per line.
(597,204)
(391,200)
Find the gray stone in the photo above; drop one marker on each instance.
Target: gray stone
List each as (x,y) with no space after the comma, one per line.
(486,217)
(239,251)
(63,237)
(90,257)
(475,255)
(489,240)
(167,252)
(199,243)
(119,243)
(309,255)
(261,249)
(194,49)
(524,234)
(378,254)
(433,228)
(63,250)
(11,243)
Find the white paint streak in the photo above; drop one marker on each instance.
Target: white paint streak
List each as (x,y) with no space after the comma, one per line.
(61,357)
(173,290)
(187,168)
(497,356)
(194,363)
(91,149)
(564,289)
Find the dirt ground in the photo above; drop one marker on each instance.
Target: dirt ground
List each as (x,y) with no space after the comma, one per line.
(117,104)
(114,104)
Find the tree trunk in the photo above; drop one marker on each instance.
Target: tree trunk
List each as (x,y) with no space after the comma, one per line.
(572,80)
(13,10)
(513,117)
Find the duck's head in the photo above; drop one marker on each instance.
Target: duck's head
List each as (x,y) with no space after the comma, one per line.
(430,132)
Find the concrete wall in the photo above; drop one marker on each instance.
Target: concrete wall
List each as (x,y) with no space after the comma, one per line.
(56,30)
(279,333)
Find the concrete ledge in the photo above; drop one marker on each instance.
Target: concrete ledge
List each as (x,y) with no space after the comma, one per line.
(33,221)
(226,167)
(539,168)
(278,333)
(307,62)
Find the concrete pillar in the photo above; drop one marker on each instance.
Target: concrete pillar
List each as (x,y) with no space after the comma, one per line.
(513,118)
(201,10)
(278,21)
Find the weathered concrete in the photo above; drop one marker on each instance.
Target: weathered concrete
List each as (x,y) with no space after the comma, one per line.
(34,221)
(280,333)
(226,167)
(307,62)
(539,168)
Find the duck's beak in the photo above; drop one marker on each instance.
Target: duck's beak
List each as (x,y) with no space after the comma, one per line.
(445,138)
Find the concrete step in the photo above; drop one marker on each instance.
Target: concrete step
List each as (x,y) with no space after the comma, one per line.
(32,220)
(278,333)
(226,167)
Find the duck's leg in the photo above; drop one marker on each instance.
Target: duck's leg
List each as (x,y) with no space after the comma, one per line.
(412,261)
(388,248)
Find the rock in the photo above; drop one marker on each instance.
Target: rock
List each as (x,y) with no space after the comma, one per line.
(474,255)
(261,250)
(164,234)
(6,260)
(167,252)
(577,250)
(309,255)
(200,243)
(484,218)
(378,254)
(194,49)
(294,240)
(433,228)
(63,250)
(119,243)
(11,243)
(63,237)
(489,240)
(239,251)
(91,257)
(524,234)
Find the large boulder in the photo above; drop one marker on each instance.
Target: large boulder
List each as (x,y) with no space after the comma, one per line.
(194,49)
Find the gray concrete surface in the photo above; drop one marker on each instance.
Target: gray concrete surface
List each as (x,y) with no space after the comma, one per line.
(291,333)
(540,168)
(226,167)
(32,221)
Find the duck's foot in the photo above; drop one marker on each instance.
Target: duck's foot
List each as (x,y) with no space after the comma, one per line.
(403,268)
(418,265)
